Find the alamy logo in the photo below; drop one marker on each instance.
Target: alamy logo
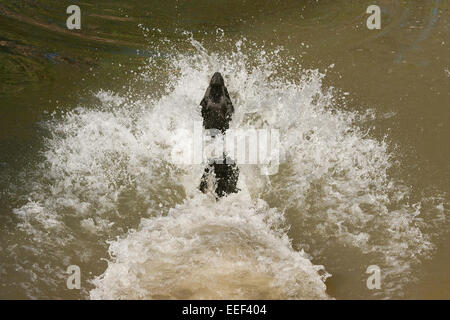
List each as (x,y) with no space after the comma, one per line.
(74,20)
(374,281)
(242,146)
(374,20)
(74,279)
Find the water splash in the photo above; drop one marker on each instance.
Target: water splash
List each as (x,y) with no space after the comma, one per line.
(107,179)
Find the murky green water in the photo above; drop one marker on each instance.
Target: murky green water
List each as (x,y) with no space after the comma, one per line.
(401,73)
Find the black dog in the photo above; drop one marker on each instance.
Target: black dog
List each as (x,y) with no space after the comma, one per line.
(217,110)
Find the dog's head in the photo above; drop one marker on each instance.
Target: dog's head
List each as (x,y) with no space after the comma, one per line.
(216,105)
(217,87)
(217,80)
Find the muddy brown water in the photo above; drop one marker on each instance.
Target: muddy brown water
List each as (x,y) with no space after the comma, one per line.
(400,74)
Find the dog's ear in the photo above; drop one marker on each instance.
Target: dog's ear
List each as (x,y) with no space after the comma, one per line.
(230,109)
(203,103)
(225,91)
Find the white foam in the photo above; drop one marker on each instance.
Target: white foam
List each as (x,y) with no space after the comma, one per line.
(205,249)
